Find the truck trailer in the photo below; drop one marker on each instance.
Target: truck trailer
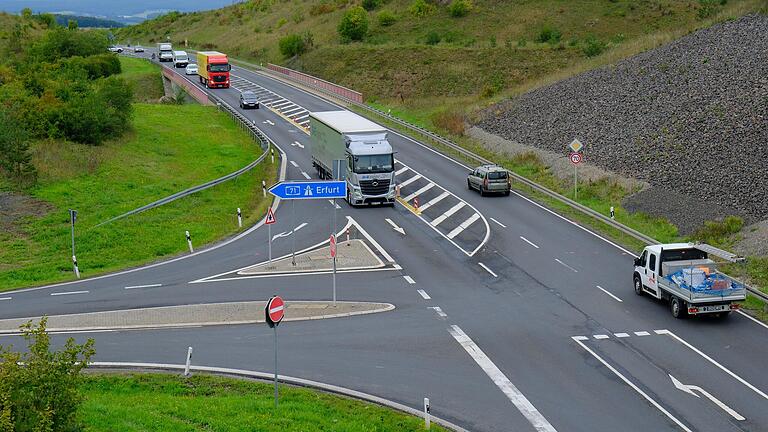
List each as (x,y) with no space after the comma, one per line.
(684,275)
(213,68)
(346,146)
(165,52)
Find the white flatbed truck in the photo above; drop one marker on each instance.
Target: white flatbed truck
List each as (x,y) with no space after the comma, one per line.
(684,275)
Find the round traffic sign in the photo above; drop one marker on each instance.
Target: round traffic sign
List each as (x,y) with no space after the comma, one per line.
(275,309)
(576,158)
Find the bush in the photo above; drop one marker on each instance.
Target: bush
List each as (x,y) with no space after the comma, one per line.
(594,46)
(292,45)
(370,5)
(322,8)
(39,389)
(353,25)
(708,8)
(460,8)
(718,233)
(61,43)
(386,18)
(433,38)
(494,85)
(549,34)
(420,8)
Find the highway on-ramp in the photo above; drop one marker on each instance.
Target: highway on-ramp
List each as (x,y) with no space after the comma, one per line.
(508,316)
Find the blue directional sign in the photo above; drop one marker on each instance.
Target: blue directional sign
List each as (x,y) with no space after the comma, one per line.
(310,190)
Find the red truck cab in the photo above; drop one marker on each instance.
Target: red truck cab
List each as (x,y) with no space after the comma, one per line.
(213,68)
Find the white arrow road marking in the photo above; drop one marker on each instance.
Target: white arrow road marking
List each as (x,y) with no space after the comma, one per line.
(300,227)
(298,144)
(395,227)
(691,389)
(269,122)
(282,234)
(522,403)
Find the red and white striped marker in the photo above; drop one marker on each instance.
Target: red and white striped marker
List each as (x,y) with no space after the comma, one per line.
(416,203)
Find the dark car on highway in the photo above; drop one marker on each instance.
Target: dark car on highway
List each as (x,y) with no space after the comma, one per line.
(248,99)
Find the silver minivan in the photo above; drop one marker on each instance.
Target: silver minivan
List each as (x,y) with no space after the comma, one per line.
(489,179)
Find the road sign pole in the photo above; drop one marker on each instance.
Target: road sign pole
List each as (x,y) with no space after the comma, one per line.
(269,234)
(334,280)
(275,327)
(293,244)
(575,182)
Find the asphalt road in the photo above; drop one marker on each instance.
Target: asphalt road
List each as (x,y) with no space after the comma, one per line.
(522,321)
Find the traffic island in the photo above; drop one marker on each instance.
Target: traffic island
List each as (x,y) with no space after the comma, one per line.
(351,255)
(195,315)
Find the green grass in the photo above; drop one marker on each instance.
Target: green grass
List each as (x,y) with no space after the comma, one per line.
(170,148)
(144,77)
(170,403)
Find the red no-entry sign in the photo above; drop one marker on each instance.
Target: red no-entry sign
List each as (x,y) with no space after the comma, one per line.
(275,311)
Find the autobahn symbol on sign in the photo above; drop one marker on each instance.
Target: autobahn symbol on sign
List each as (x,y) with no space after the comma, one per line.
(576,158)
(310,190)
(275,311)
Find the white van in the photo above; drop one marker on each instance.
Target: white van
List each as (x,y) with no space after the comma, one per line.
(180,59)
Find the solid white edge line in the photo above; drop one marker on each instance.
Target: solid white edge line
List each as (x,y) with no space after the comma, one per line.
(488,270)
(424,294)
(69,293)
(517,398)
(499,223)
(6,298)
(609,293)
(409,279)
(711,360)
(143,286)
(529,242)
(753,318)
(370,239)
(631,384)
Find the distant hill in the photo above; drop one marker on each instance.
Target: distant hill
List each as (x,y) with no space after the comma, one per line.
(86,21)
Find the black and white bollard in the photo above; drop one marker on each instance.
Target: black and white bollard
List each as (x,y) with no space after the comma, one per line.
(189,242)
(273,155)
(74,263)
(239,218)
(189,362)
(427,415)
(613,213)
(264,188)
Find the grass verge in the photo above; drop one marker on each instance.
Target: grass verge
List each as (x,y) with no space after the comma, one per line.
(157,402)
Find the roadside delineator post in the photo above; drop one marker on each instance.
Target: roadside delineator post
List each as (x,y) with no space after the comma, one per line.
(347,236)
(613,213)
(239,218)
(427,415)
(189,241)
(273,155)
(189,362)
(77,270)
(264,188)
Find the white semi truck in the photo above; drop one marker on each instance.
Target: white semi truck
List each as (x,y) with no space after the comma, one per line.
(684,275)
(346,146)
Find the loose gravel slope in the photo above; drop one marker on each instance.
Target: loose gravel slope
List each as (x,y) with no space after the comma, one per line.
(689,117)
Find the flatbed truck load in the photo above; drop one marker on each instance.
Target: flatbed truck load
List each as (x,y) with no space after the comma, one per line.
(346,146)
(213,68)
(684,275)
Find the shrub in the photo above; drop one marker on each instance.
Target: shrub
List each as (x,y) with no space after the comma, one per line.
(420,8)
(494,85)
(717,233)
(460,8)
(281,22)
(451,121)
(322,8)
(386,18)
(594,46)
(433,38)
(708,8)
(292,45)
(370,5)
(353,25)
(549,34)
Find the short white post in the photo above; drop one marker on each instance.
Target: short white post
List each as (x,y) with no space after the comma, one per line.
(613,213)
(273,155)
(189,242)
(347,236)
(77,270)
(427,415)
(189,362)
(264,188)
(239,218)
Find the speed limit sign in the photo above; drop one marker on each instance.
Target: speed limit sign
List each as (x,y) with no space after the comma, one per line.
(576,158)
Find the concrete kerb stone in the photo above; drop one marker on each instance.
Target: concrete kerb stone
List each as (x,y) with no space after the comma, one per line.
(264,376)
(352,255)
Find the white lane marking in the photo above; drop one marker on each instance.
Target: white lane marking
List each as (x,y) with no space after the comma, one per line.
(143,286)
(753,319)
(464,225)
(376,244)
(517,398)
(302,225)
(5,298)
(438,311)
(409,279)
(401,170)
(294,164)
(306,176)
(424,294)
(69,293)
(600,336)
(621,335)
(579,341)
(642,333)
(394,226)
(298,144)
(293,110)
(692,389)
(609,293)
(499,223)
(279,104)
(708,358)
(410,180)
(434,201)
(448,213)
(269,122)
(529,242)
(429,186)
(566,265)
(301,118)
(282,234)
(333,203)
(488,270)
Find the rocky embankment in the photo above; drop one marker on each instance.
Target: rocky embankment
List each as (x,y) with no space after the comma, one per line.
(690,118)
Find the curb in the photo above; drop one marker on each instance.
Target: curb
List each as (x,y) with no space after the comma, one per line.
(263,376)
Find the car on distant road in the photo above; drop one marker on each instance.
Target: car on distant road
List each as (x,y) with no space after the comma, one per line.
(248,99)
(115,49)
(489,179)
(138,48)
(191,69)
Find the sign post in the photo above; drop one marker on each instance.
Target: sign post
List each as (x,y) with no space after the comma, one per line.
(268,222)
(333,255)
(576,158)
(72,220)
(274,312)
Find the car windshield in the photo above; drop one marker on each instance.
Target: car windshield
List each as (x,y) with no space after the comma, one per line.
(373,164)
(219,68)
(497,175)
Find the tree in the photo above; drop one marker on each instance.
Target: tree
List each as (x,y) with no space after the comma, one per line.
(15,158)
(292,46)
(354,24)
(72,24)
(26,13)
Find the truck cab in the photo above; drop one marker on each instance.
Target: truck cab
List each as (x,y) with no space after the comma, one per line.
(370,166)
(213,69)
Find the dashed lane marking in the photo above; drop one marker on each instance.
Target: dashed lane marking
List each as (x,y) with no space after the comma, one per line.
(306,176)
(294,164)
(6,298)
(488,270)
(567,266)
(424,294)
(621,335)
(529,242)
(438,311)
(642,333)
(464,225)
(498,223)
(447,214)
(600,336)
(409,279)
(143,286)
(69,293)
(609,293)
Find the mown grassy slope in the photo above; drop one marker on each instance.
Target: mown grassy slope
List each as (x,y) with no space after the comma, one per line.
(168,148)
(156,403)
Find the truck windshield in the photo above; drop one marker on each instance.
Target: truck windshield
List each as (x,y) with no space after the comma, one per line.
(373,164)
(219,68)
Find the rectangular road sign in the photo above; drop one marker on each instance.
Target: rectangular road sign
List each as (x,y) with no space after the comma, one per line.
(310,190)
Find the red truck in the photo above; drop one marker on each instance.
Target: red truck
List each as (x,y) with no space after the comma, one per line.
(213,68)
